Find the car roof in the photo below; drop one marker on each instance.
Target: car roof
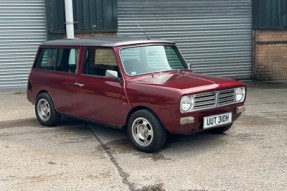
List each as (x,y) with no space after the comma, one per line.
(104,41)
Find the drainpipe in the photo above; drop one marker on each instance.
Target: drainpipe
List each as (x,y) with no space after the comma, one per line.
(69,19)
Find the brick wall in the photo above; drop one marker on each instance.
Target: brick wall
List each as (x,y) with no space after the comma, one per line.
(270,55)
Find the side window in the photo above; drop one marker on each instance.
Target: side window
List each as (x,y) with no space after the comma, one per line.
(67,60)
(98,61)
(58,59)
(47,59)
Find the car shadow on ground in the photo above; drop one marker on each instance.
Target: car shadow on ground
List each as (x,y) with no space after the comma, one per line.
(19,123)
(116,141)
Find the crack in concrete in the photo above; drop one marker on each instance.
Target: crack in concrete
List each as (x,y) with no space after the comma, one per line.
(121,171)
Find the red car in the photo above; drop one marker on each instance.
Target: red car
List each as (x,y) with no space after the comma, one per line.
(142,85)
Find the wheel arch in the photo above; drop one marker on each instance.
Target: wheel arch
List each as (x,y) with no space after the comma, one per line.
(45,91)
(42,91)
(137,108)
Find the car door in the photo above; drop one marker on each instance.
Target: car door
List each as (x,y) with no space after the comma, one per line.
(99,97)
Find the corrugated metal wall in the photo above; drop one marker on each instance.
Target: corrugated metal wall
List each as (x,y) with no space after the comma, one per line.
(22,29)
(270,14)
(214,35)
(89,16)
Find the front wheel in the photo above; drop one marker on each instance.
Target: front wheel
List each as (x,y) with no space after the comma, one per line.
(146,132)
(45,110)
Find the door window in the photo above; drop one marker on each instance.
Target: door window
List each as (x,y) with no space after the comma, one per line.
(98,61)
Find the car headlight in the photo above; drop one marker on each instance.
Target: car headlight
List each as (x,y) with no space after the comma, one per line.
(239,94)
(186,104)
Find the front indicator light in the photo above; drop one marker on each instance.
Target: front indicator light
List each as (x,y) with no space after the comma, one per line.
(186,120)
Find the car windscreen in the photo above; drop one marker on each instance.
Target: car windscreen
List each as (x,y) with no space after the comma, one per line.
(152,58)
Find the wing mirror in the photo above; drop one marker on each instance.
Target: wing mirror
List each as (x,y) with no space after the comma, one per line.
(112,74)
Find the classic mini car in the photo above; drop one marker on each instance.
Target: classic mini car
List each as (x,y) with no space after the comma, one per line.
(141,85)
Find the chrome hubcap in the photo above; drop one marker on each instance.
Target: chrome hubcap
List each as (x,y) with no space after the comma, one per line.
(142,131)
(43,110)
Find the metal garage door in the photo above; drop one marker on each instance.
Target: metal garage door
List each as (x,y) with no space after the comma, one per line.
(22,29)
(214,35)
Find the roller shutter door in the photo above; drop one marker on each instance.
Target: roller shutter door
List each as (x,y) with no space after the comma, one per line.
(214,35)
(22,29)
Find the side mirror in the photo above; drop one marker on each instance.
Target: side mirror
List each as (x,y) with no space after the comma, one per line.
(112,74)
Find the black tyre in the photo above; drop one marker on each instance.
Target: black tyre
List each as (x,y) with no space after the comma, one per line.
(146,132)
(45,110)
(219,130)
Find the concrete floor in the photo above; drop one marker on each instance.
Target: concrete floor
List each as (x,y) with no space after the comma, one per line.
(75,155)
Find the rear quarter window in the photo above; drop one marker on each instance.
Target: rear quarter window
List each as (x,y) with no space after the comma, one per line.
(63,59)
(47,59)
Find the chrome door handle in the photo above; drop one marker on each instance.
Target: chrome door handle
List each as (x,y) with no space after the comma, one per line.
(79,85)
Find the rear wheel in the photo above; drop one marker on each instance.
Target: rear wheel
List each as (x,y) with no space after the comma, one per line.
(219,130)
(45,110)
(146,132)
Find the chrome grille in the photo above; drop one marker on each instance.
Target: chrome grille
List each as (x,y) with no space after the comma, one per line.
(205,100)
(214,99)
(226,97)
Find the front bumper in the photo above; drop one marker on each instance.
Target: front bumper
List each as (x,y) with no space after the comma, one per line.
(193,122)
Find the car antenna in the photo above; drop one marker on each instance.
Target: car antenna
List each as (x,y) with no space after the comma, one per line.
(143,31)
